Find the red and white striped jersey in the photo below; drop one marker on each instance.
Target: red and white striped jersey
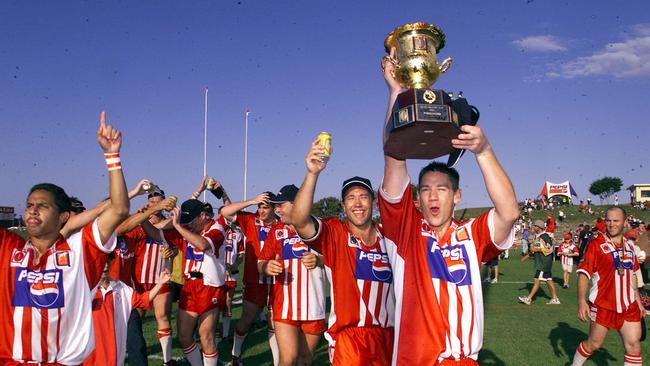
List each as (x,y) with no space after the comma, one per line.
(255,233)
(209,262)
(148,259)
(298,293)
(45,311)
(233,248)
(361,280)
(439,300)
(564,249)
(112,307)
(602,259)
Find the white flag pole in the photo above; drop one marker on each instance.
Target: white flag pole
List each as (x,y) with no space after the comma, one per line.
(205,137)
(248,111)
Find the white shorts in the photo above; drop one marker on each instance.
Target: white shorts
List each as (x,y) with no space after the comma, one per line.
(567,267)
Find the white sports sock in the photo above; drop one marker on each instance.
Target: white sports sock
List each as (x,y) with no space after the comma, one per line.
(632,360)
(210,359)
(237,343)
(193,355)
(273,343)
(165,339)
(581,355)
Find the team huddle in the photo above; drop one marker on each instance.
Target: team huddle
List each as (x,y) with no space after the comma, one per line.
(406,291)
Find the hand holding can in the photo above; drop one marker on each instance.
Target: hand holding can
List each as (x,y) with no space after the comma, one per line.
(325,140)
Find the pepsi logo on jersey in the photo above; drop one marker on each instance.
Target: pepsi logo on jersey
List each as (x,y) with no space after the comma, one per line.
(193,254)
(627,259)
(263,232)
(41,290)
(448,263)
(123,249)
(293,248)
(373,266)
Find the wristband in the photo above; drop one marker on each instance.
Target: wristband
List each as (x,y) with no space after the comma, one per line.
(113,161)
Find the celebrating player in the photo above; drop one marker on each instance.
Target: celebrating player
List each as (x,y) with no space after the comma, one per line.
(200,239)
(45,300)
(149,260)
(439,311)
(256,286)
(613,301)
(355,254)
(298,290)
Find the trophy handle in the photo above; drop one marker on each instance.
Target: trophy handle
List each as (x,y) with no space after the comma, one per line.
(445,65)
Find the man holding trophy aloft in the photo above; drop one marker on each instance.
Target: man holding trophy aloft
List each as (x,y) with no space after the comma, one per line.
(436,259)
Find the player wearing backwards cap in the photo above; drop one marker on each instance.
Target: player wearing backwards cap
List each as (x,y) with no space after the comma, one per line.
(299,287)
(45,297)
(613,301)
(200,240)
(439,303)
(541,249)
(112,304)
(567,250)
(256,228)
(233,248)
(149,259)
(355,254)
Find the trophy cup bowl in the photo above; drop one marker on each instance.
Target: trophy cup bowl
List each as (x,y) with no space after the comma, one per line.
(417,46)
(424,120)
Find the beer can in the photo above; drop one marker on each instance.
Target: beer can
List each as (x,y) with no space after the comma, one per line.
(325,140)
(210,183)
(173,199)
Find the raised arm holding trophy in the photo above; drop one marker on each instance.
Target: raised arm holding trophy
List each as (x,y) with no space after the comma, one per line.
(424,120)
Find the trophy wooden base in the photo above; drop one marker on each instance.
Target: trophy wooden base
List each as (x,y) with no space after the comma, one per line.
(422,126)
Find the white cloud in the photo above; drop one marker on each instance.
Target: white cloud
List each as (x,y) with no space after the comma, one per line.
(629,58)
(544,43)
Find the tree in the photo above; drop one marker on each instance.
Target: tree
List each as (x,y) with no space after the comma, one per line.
(605,187)
(327,207)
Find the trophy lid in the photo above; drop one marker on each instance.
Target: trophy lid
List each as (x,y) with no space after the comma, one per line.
(435,31)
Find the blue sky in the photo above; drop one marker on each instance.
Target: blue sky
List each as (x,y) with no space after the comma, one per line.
(562,88)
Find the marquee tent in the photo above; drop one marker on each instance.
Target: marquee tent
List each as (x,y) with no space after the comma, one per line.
(551,189)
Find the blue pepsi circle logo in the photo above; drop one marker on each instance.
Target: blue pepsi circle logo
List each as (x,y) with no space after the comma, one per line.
(381,270)
(44,295)
(299,249)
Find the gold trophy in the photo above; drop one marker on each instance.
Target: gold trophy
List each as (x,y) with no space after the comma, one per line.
(424,120)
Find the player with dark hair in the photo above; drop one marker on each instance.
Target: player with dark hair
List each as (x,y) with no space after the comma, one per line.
(435,259)
(47,280)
